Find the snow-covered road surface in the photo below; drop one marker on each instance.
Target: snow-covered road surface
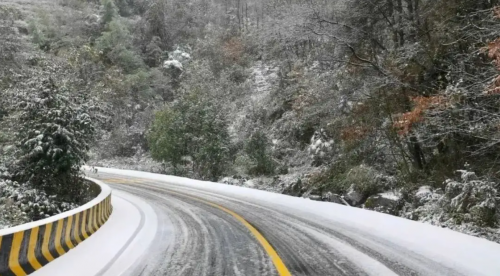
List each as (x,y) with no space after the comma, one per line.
(192,237)
(124,238)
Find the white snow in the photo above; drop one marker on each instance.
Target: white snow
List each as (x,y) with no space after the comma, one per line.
(391,195)
(105,192)
(362,260)
(126,236)
(179,56)
(354,196)
(467,254)
(173,64)
(423,191)
(250,184)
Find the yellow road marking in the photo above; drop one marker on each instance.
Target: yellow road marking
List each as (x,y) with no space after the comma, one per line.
(31,249)
(90,220)
(76,234)
(107,209)
(94,216)
(68,233)
(84,223)
(98,210)
(101,214)
(45,246)
(59,247)
(104,210)
(278,263)
(14,254)
(118,180)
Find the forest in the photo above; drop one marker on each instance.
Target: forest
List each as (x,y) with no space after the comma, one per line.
(389,105)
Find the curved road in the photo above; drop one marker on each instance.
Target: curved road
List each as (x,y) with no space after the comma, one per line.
(205,232)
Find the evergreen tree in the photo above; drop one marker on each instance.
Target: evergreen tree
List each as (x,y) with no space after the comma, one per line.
(257,150)
(109,12)
(56,130)
(192,131)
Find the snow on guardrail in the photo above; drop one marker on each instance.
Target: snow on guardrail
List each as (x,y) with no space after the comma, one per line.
(28,247)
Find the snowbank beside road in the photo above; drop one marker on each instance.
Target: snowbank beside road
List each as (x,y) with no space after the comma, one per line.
(115,247)
(472,256)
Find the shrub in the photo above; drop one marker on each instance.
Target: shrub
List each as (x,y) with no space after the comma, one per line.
(191,132)
(56,130)
(115,44)
(257,150)
(38,36)
(153,53)
(348,178)
(471,199)
(237,74)
(109,11)
(20,203)
(364,180)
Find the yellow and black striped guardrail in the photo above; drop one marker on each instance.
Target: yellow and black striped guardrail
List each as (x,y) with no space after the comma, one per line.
(28,247)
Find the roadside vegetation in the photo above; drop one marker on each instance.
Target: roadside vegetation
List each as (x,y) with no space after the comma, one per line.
(387,105)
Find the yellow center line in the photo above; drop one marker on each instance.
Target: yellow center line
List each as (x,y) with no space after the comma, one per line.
(278,263)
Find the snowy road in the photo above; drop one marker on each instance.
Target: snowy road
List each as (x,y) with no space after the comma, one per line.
(197,232)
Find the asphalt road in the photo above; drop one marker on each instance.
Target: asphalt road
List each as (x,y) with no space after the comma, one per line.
(201,233)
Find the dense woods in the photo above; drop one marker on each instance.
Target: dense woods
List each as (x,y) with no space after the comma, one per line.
(317,98)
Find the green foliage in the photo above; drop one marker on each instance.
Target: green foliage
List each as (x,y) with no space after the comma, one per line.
(257,149)
(154,54)
(156,24)
(109,12)
(191,132)
(365,180)
(38,36)
(139,84)
(56,130)
(128,60)
(471,200)
(116,46)
(342,176)
(45,31)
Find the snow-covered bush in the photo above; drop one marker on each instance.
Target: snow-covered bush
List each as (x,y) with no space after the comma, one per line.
(471,199)
(180,54)
(176,59)
(467,201)
(109,11)
(365,181)
(20,203)
(54,136)
(388,202)
(192,134)
(320,148)
(115,45)
(257,148)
